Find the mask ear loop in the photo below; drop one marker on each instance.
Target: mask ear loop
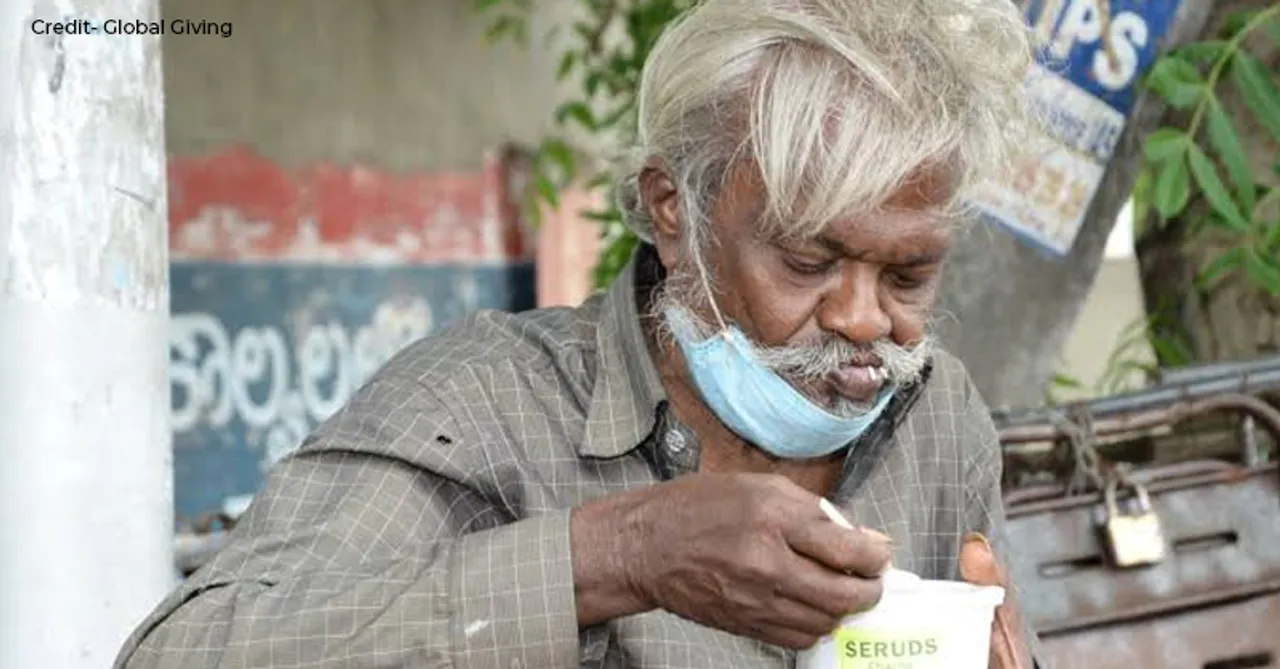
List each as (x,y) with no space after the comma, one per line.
(704,277)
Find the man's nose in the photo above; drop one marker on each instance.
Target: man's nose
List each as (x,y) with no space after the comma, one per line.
(853,309)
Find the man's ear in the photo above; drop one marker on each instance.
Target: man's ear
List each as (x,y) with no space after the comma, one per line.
(662,201)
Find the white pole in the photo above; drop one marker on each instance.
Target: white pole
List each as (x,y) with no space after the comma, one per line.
(85,467)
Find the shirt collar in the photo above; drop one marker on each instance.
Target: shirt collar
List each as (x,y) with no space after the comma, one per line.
(627,390)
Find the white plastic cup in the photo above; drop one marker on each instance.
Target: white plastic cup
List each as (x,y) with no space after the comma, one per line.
(918,624)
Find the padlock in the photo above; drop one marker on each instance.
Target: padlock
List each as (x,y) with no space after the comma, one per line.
(1134,536)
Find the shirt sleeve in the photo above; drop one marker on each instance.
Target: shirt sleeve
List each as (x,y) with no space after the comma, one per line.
(984,500)
(372,546)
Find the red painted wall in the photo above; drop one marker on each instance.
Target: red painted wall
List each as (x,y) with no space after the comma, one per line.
(236,205)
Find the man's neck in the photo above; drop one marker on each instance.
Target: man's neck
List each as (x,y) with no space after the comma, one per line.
(721,450)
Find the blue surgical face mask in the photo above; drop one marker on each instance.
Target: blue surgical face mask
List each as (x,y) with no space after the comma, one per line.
(758,404)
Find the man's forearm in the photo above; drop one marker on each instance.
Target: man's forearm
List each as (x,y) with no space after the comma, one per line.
(605,535)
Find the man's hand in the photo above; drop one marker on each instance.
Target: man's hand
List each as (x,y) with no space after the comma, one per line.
(978,565)
(750,554)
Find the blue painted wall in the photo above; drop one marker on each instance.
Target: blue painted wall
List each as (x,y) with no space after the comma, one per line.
(260,353)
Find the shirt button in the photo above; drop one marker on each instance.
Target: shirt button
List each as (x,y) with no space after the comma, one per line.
(675,441)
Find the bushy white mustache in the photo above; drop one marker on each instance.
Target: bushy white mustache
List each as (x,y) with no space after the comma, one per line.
(808,362)
(902,366)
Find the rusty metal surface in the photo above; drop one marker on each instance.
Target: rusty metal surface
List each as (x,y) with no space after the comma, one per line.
(1079,449)
(1218,370)
(1057,493)
(1213,600)
(1255,378)
(1146,419)
(1243,634)
(1223,525)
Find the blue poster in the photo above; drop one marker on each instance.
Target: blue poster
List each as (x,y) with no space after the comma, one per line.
(1103,54)
(1091,57)
(261,353)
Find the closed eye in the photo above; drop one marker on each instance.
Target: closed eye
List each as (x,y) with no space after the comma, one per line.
(811,268)
(906,280)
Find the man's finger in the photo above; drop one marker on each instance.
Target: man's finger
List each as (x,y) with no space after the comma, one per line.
(837,594)
(859,551)
(978,565)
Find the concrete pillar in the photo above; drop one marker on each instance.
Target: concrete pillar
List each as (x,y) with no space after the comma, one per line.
(85,467)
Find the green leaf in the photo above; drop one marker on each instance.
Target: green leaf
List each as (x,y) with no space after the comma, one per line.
(1263,270)
(1165,143)
(1202,53)
(585,31)
(1172,188)
(617,83)
(505,26)
(1236,21)
(593,81)
(1272,25)
(1226,141)
(1176,81)
(1116,379)
(1061,380)
(578,111)
(1229,261)
(1257,89)
(610,215)
(559,153)
(1170,351)
(600,181)
(485,5)
(1211,185)
(547,189)
(1271,237)
(567,62)
(614,258)
(598,7)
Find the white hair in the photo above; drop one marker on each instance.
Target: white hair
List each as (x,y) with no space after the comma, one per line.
(837,102)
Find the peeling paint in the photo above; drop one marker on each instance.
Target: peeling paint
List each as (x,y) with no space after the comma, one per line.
(239,206)
(88,125)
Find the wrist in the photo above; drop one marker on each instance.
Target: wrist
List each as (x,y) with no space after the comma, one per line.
(606,538)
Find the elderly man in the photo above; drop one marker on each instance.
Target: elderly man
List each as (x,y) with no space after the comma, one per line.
(636,482)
